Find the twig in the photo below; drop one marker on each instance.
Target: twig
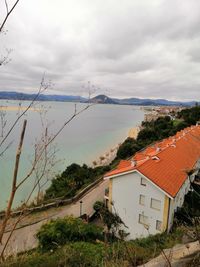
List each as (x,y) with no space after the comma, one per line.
(8,14)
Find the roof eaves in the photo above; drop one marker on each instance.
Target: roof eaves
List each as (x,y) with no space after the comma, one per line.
(135,170)
(118,174)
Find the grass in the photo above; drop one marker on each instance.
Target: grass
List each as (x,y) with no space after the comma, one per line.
(176,122)
(99,254)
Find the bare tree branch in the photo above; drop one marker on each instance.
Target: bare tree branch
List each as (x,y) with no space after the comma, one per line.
(7,10)
(5,58)
(43,87)
(8,14)
(49,142)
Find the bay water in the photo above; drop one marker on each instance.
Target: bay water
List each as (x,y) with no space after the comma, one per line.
(88,136)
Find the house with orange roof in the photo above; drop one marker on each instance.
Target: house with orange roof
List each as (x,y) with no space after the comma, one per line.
(147,189)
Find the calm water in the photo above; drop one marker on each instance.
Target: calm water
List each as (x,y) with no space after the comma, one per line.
(88,136)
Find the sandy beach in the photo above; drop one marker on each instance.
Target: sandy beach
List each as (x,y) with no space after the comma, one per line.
(133,133)
(109,156)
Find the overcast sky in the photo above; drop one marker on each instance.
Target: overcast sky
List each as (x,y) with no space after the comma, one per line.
(126,48)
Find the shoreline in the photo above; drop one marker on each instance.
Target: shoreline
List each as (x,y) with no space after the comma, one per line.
(107,157)
(133,132)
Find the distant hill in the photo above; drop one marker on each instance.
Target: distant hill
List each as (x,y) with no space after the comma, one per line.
(103,99)
(100,99)
(23,96)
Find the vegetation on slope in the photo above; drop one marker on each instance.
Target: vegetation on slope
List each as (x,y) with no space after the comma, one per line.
(158,129)
(189,213)
(76,177)
(61,231)
(70,242)
(71,252)
(191,115)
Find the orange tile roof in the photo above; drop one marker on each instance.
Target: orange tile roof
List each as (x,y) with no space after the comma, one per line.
(170,171)
(139,156)
(124,164)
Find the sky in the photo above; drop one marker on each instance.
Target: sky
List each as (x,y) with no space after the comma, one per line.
(125,48)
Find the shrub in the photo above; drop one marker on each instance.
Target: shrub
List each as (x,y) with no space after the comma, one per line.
(60,231)
(74,178)
(77,254)
(128,148)
(86,254)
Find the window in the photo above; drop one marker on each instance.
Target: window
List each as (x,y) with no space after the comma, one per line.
(143,181)
(155,204)
(158,225)
(142,200)
(143,219)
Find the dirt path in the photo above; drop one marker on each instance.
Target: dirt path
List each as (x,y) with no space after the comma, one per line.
(24,238)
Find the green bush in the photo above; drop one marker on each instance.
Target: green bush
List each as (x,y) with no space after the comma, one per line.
(60,231)
(190,115)
(99,254)
(77,254)
(128,148)
(73,179)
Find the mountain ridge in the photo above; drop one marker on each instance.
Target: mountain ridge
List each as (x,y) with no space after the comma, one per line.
(99,99)
(103,99)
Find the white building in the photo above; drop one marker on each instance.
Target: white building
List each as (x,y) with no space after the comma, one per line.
(146,190)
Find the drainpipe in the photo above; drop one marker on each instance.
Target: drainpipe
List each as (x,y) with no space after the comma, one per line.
(168,215)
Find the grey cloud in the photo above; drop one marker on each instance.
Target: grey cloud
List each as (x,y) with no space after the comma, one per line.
(128,48)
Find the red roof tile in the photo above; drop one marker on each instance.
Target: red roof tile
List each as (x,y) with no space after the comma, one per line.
(170,172)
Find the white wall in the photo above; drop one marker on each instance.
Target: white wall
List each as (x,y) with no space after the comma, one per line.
(126,192)
(178,201)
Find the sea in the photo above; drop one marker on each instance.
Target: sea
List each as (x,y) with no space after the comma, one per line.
(90,134)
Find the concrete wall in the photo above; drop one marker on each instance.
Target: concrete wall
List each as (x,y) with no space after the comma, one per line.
(126,192)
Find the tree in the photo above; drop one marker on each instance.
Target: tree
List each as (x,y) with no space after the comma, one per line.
(110,219)
(42,149)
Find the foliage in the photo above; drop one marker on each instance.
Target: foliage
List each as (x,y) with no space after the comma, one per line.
(60,231)
(73,179)
(76,177)
(75,254)
(128,148)
(190,208)
(158,129)
(85,254)
(160,241)
(190,116)
(110,219)
(151,132)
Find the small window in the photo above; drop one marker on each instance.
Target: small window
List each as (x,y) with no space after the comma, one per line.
(143,219)
(142,200)
(143,182)
(155,204)
(158,225)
